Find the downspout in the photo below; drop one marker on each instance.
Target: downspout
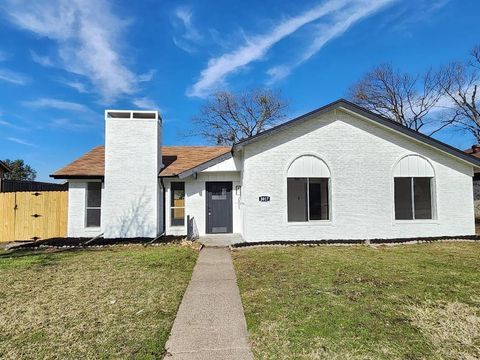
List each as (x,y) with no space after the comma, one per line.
(163,205)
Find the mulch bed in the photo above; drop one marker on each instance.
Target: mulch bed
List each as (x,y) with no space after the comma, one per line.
(81,242)
(356,241)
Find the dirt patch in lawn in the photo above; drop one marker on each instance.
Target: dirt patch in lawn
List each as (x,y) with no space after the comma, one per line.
(118,302)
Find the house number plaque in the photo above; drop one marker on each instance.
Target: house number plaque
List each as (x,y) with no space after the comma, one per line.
(264,198)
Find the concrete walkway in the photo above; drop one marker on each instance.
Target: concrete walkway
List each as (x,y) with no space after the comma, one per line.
(210,322)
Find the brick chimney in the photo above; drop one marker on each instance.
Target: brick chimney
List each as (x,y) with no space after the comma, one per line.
(133,158)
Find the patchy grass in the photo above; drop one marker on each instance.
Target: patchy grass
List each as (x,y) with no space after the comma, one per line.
(389,302)
(117,303)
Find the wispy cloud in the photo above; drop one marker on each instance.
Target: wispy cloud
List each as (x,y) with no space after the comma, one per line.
(189,36)
(77,85)
(68,124)
(13,77)
(21,141)
(41,60)
(57,104)
(9,124)
(148,76)
(89,38)
(145,103)
(409,13)
(256,47)
(327,31)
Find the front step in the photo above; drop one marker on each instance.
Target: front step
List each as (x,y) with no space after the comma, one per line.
(220,240)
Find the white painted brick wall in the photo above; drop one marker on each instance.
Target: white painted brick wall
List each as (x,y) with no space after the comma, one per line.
(77,195)
(361,157)
(131,201)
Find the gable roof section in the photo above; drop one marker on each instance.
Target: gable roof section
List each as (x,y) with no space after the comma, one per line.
(177,159)
(351,107)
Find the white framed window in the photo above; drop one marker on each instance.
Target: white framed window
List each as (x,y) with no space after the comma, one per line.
(177,204)
(93,207)
(414,189)
(413,198)
(308,190)
(308,199)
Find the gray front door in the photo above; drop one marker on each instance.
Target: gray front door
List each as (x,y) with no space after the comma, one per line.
(219,207)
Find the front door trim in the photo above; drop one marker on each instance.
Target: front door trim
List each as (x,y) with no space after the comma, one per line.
(225,218)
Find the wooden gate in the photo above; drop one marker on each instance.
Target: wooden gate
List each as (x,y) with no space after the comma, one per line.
(33,215)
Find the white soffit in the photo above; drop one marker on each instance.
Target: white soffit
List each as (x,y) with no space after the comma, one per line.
(308,166)
(413,165)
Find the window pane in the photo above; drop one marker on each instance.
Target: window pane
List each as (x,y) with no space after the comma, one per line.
(403,199)
(423,198)
(297,199)
(177,212)
(177,217)
(93,217)
(178,198)
(94,194)
(318,198)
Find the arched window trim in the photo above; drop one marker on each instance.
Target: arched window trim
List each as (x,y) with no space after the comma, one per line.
(397,163)
(433,192)
(327,184)
(323,162)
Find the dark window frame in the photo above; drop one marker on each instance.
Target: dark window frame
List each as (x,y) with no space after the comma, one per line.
(93,208)
(181,186)
(308,202)
(414,206)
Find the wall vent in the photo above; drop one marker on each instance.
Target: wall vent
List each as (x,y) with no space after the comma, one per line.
(129,114)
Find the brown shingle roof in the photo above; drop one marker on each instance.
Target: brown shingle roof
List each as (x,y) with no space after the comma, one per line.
(182,158)
(175,158)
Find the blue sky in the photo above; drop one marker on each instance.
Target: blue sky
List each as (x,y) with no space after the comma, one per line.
(62,62)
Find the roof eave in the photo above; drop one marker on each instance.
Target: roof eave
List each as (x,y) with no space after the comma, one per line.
(77,176)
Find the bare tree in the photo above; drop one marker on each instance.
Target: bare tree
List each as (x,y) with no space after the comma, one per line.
(227,118)
(460,83)
(402,97)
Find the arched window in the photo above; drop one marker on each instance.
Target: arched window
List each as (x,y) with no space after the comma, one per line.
(413,183)
(308,189)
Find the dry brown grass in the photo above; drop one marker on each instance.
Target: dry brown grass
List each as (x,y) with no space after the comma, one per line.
(91,304)
(453,328)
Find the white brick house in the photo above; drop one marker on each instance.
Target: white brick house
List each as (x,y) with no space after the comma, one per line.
(339,172)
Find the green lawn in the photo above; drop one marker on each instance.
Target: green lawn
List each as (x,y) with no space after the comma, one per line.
(400,302)
(117,302)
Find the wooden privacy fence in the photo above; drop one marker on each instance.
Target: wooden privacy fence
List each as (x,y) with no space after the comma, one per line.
(33,215)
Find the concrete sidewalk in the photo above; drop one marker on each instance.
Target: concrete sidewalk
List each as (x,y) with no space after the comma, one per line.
(210,322)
